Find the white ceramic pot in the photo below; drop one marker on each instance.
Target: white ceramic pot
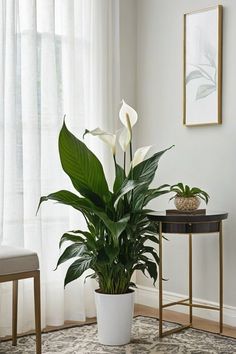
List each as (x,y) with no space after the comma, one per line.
(114,317)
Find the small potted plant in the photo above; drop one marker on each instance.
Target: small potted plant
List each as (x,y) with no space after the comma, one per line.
(119,238)
(187,198)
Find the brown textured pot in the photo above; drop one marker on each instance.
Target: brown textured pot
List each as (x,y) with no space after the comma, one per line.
(187,204)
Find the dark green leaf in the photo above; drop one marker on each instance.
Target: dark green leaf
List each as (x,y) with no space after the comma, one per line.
(91,242)
(69,237)
(120,177)
(68,198)
(83,204)
(77,268)
(115,227)
(127,186)
(74,250)
(102,257)
(132,285)
(152,251)
(112,252)
(92,276)
(187,191)
(145,171)
(83,167)
(152,238)
(152,270)
(154,193)
(140,266)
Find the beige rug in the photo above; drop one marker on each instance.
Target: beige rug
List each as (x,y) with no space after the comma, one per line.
(145,339)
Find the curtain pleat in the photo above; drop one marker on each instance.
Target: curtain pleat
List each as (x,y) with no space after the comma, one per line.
(57,57)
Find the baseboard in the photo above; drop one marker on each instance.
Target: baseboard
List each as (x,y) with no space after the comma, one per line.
(149,297)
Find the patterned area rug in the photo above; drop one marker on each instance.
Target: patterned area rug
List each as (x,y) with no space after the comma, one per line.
(83,340)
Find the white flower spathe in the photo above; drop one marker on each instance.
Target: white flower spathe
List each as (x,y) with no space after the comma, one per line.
(140,155)
(128,117)
(108,138)
(124,139)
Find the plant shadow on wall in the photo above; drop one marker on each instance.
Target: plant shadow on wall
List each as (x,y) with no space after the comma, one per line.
(119,238)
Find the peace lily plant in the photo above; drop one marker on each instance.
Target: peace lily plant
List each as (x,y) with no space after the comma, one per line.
(119,238)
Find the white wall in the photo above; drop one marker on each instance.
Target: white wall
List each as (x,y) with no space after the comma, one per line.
(203,156)
(128,50)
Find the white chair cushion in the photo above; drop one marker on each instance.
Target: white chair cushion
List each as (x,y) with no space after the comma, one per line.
(17,260)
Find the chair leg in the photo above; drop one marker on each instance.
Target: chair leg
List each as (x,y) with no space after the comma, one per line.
(14,311)
(37,311)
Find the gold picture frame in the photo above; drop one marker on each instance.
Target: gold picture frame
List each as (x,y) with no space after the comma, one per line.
(202,69)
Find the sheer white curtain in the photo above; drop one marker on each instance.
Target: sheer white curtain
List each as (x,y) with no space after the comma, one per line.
(56,57)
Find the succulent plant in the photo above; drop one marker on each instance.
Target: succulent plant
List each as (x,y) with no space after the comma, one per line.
(185,191)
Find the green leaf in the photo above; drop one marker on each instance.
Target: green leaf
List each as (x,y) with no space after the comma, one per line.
(181,186)
(92,276)
(140,266)
(139,194)
(195,190)
(120,177)
(148,266)
(77,268)
(203,197)
(132,285)
(152,270)
(205,90)
(102,257)
(83,204)
(69,237)
(83,167)
(127,186)
(154,193)
(152,238)
(115,227)
(152,251)
(145,171)
(74,250)
(112,252)
(68,198)
(91,242)
(187,191)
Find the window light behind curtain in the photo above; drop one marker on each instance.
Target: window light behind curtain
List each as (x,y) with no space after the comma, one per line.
(56,57)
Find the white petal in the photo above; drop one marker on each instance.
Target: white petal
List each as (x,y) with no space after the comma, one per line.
(140,155)
(124,139)
(128,115)
(108,138)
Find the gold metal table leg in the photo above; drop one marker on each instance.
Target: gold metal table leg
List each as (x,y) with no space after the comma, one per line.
(221,276)
(190,280)
(160,280)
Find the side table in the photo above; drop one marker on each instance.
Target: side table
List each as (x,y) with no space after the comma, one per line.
(189,224)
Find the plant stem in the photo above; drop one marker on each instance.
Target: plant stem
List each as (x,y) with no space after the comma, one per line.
(124,160)
(130,151)
(114,159)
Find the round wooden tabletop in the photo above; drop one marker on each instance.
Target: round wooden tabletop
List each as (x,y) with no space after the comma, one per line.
(208,222)
(190,218)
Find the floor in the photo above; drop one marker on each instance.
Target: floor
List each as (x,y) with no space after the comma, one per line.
(171,316)
(178,317)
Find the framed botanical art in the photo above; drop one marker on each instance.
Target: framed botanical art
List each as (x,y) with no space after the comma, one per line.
(202,82)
